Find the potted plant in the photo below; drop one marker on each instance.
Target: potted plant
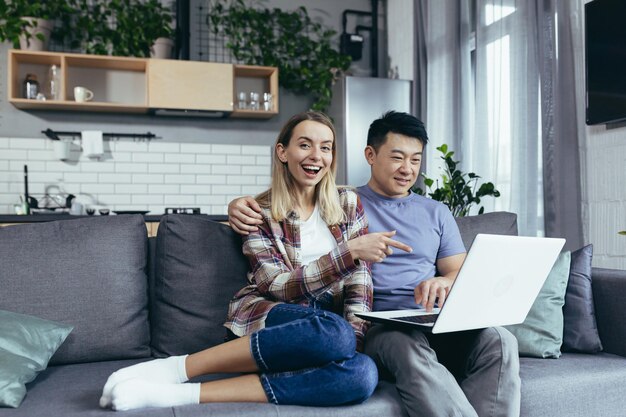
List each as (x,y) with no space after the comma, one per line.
(290,40)
(28,24)
(458,189)
(120,27)
(157,29)
(139,23)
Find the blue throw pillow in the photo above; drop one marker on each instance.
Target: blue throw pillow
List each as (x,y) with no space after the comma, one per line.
(580,331)
(541,334)
(26,345)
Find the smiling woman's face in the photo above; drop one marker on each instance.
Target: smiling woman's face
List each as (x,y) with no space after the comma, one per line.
(309,153)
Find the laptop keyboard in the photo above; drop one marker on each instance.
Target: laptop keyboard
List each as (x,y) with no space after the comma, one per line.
(426,318)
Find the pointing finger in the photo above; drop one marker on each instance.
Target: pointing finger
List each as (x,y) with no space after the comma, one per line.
(399,245)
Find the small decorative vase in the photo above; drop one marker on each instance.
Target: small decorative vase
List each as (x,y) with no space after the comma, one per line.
(162,48)
(37,25)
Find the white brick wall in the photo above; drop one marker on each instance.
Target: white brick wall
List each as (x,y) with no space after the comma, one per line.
(136,175)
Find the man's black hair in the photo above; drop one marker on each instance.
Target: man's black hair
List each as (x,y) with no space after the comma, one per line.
(395,122)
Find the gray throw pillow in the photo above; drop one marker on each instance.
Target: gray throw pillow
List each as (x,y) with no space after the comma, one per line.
(199,267)
(580,331)
(541,334)
(496,223)
(88,272)
(26,345)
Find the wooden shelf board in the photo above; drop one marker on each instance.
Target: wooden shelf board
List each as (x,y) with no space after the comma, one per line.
(107,62)
(22,103)
(253,71)
(252,114)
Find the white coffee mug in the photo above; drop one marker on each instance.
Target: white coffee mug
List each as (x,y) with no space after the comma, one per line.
(82,94)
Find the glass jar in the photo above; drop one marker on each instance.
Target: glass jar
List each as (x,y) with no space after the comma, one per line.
(30,87)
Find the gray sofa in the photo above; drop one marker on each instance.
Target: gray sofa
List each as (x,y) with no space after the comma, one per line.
(131,298)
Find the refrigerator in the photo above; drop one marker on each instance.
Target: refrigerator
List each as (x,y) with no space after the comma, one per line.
(356,103)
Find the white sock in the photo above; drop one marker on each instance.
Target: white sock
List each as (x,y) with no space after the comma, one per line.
(138,393)
(169,370)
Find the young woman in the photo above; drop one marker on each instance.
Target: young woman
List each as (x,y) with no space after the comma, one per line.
(293,331)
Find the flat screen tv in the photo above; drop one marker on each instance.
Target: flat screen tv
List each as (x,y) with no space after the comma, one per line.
(605,61)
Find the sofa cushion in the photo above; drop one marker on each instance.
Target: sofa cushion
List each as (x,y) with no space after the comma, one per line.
(580,331)
(541,334)
(576,385)
(74,391)
(199,267)
(26,345)
(609,295)
(497,223)
(86,272)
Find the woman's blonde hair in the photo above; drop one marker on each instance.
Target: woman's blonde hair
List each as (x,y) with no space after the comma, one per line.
(279,197)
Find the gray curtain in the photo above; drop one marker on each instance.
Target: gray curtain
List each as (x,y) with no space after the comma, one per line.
(516,122)
(561,125)
(420,75)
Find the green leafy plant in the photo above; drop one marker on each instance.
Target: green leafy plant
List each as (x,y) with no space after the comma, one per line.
(458,190)
(118,27)
(300,48)
(12,24)
(138,24)
(623,232)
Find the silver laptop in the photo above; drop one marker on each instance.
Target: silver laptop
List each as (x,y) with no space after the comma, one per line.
(496,286)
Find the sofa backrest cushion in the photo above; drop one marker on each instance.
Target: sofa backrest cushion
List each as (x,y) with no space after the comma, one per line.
(89,273)
(496,223)
(199,267)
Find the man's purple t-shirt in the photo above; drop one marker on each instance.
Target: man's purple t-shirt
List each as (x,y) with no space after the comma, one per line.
(424,224)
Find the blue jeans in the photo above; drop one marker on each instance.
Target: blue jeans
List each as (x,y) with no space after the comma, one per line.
(307,356)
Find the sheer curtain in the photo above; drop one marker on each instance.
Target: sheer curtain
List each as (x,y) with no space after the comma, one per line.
(491,96)
(562,103)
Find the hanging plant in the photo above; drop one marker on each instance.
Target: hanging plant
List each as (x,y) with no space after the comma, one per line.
(292,41)
(458,189)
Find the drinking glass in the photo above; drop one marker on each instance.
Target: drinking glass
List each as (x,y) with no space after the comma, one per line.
(254,101)
(267,101)
(242,100)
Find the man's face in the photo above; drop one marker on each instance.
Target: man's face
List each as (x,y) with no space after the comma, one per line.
(395,166)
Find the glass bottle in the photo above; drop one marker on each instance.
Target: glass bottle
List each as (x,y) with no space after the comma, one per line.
(30,87)
(54,83)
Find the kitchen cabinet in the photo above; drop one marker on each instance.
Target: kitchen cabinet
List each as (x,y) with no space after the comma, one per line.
(190,85)
(141,85)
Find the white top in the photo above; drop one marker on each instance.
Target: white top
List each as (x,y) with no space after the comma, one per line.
(315,238)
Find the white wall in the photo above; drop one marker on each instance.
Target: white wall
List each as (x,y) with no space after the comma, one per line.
(136,175)
(603,164)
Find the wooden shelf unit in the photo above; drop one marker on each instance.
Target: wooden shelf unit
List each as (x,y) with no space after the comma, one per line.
(261,80)
(139,85)
(119,84)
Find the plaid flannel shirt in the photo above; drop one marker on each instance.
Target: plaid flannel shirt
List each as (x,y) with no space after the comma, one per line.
(277,275)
